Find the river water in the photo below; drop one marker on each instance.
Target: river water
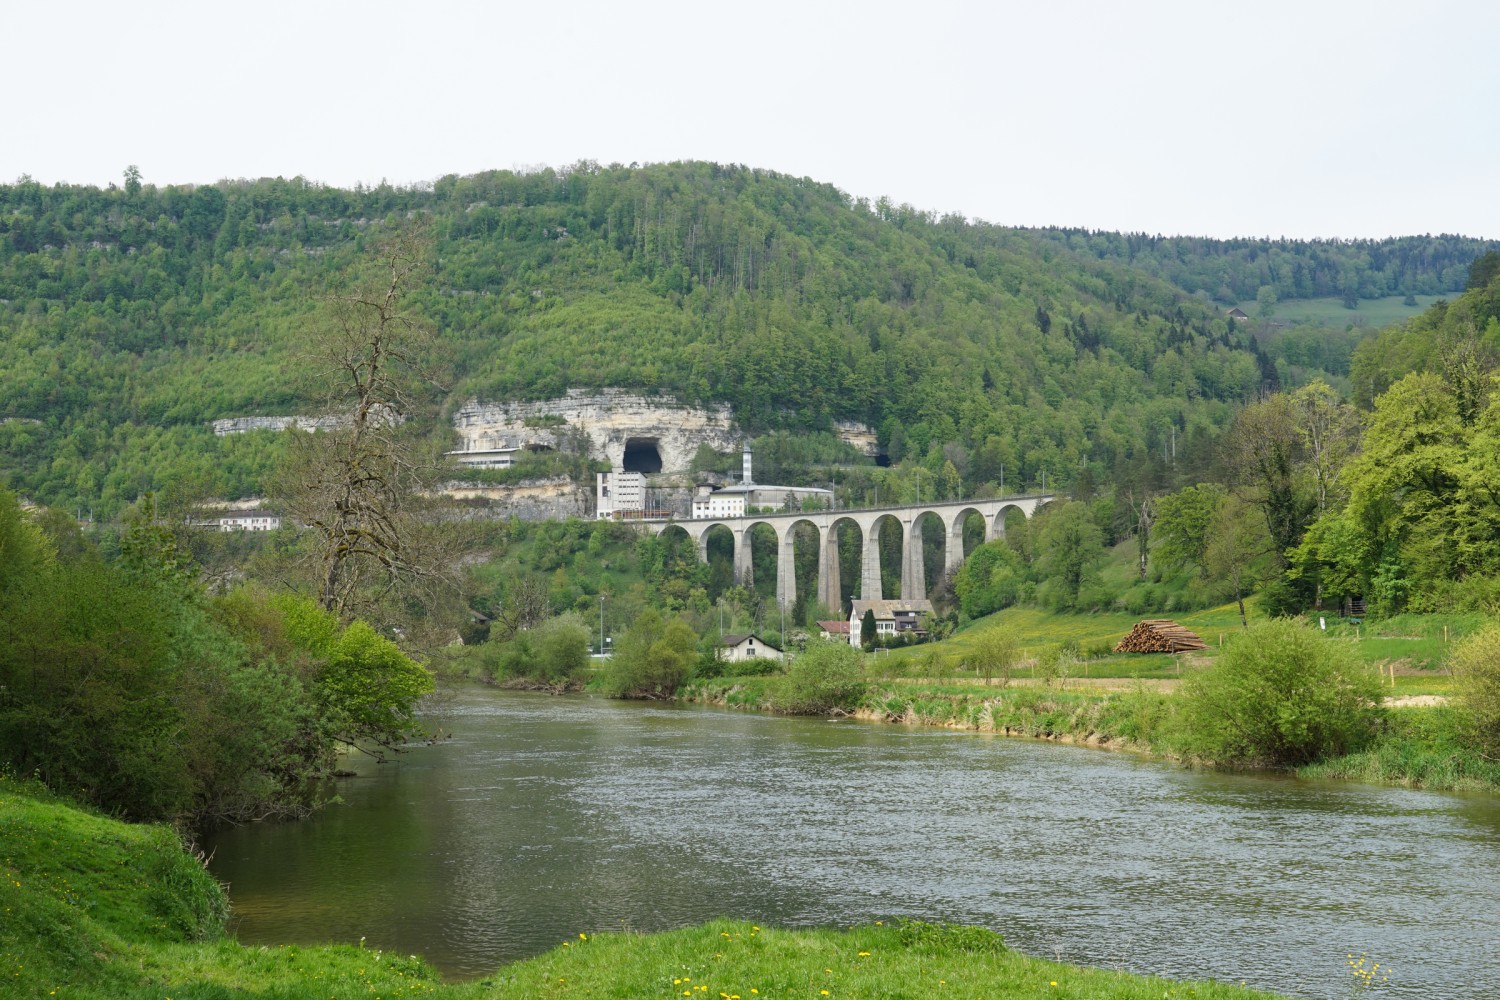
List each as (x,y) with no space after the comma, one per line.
(544,817)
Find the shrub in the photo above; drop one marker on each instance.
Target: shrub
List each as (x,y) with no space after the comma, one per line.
(1280,694)
(554,655)
(995,653)
(710,666)
(826,677)
(652,659)
(1476,675)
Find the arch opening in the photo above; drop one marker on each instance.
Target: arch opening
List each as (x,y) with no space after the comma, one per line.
(718,546)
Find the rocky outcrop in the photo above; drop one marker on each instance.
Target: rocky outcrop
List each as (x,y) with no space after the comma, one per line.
(531,500)
(859,437)
(241,425)
(614,422)
(611,420)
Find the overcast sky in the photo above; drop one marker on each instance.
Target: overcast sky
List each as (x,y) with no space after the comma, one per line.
(1301,119)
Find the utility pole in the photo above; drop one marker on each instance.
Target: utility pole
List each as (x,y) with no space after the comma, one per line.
(601,624)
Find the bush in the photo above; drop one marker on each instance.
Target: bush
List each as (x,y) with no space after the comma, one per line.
(1475,663)
(652,659)
(1280,695)
(996,653)
(555,656)
(827,677)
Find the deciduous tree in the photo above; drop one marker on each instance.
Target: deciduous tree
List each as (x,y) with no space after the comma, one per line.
(360,485)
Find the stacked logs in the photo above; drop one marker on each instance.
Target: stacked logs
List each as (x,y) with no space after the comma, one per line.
(1158,635)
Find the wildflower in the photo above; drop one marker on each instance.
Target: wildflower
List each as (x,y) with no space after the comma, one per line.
(864,954)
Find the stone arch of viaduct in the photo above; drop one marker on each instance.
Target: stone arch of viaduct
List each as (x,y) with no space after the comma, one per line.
(952,515)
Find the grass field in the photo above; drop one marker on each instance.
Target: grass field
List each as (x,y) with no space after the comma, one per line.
(1372,313)
(1416,645)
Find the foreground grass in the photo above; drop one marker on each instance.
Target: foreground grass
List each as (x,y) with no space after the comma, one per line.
(95,908)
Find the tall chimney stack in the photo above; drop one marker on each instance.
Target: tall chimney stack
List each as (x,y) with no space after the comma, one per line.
(745,473)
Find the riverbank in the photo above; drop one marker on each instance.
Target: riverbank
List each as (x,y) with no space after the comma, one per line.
(95,908)
(1418,745)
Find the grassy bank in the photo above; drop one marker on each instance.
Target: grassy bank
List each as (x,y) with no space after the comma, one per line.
(1419,747)
(95,908)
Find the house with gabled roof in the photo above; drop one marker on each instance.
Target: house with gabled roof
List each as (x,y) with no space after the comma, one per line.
(892,618)
(746,646)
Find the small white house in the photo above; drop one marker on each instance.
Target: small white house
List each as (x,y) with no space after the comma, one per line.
(735,648)
(896,617)
(834,630)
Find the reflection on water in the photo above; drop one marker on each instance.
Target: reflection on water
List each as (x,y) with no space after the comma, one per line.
(545,817)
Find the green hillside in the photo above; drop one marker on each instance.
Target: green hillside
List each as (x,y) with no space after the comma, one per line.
(130,318)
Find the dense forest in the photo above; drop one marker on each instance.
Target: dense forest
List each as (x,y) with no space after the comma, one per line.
(1232,271)
(132,316)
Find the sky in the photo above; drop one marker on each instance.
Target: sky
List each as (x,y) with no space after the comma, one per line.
(1320,118)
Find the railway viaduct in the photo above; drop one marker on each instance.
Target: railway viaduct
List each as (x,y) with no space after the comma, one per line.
(952,515)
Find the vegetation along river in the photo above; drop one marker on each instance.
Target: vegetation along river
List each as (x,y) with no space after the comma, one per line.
(545,817)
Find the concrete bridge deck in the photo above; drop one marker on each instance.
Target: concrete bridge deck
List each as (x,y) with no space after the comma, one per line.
(951,514)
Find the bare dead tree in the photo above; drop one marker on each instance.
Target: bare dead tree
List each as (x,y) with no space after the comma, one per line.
(362,483)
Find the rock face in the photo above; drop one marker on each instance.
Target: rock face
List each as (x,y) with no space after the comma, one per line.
(653,431)
(858,436)
(639,433)
(532,500)
(241,425)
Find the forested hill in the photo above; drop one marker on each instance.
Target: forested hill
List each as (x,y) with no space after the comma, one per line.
(130,317)
(1232,271)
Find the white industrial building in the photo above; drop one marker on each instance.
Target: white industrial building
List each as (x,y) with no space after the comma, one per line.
(486,458)
(749,494)
(620,493)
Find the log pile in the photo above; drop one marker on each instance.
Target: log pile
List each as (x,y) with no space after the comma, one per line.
(1158,635)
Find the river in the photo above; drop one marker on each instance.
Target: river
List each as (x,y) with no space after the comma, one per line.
(544,817)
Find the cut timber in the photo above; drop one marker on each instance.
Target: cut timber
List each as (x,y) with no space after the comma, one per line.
(1158,635)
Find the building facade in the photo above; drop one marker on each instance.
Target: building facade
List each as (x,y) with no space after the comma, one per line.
(891,618)
(735,648)
(620,492)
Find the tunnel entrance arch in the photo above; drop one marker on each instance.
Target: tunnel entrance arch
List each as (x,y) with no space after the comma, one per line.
(642,455)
